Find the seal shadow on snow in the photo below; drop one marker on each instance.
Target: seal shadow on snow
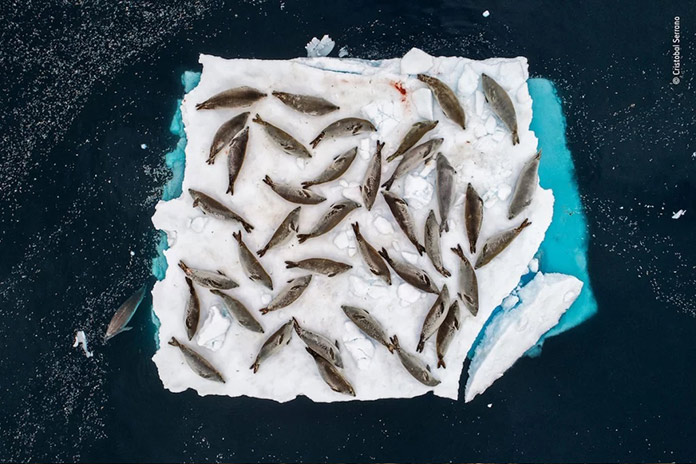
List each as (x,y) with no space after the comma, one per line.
(564,249)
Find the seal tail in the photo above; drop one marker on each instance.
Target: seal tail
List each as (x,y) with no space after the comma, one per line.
(441,363)
(255,367)
(421,344)
(420,248)
(515,138)
(238,236)
(383,253)
(291,264)
(387,185)
(317,139)
(444,226)
(248,227)
(458,251)
(264,310)
(302,237)
(267,180)
(257,119)
(262,252)
(203,106)
(230,190)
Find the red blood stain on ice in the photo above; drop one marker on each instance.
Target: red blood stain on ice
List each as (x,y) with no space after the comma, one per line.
(400,87)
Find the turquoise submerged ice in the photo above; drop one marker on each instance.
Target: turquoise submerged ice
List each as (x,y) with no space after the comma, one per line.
(546,125)
(564,250)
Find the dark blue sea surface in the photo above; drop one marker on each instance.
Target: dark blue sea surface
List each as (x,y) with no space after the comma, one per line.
(88,91)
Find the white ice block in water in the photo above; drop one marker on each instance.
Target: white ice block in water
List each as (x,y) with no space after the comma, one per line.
(399,307)
(416,61)
(81,340)
(510,334)
(323,47)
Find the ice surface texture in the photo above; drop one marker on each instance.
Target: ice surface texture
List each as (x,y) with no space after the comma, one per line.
(486,159)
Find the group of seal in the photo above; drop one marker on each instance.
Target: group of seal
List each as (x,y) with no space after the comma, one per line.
(443,318)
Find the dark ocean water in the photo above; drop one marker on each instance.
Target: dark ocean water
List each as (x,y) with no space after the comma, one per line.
(84,85)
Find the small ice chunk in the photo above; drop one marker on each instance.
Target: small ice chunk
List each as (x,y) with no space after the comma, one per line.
(509,301)
(408,294)
(490,124)
(410,257)
(570,296)
(486,14)
(503,191)
(384,114)
(422,100)
(81,340)
(396,245)
(360,348)
(418,191)
(212,333)
(679,214)
(416,61)
(490,198)
(342,240)
(479,131)
(534,265)
(198,224)
(343,52)
(351,251)
(383,226)
(300,163)
(498,136)
(364,149)
(343,183)
(143,146)
(359,286)
(353,193)
(266,298)
(427,168)
(316,48)
(468,81)
(377,291)
(132,253)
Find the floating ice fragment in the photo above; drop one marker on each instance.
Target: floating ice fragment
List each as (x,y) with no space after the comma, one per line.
(416,61)
(383,226)
(534,266)
(132,253)
(679,214)
(143,146)
(509,301)
(81,340)
(212,333)
(408,294)
(343,52)
(486,14)
(422,100)
(316,48)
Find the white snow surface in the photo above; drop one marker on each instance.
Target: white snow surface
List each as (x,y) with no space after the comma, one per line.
(361,89)
(541,304)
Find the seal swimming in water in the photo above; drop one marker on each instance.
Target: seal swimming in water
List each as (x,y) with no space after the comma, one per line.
(124,314)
